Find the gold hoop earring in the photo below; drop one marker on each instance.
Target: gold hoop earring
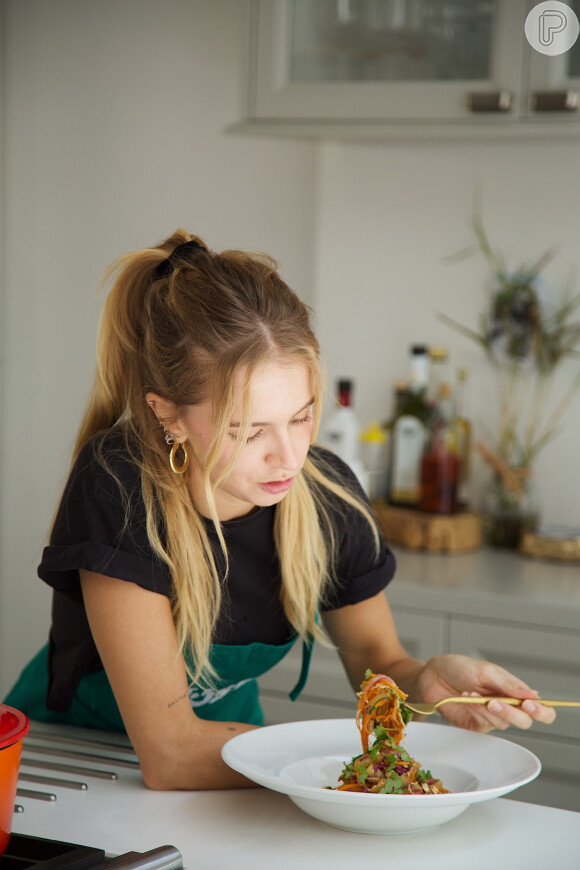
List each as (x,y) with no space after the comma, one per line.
(181,469)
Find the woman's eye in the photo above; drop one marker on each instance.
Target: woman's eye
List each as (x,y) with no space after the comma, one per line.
(306,419)
(234,436)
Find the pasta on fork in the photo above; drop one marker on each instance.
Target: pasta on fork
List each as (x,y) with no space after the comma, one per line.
(385,766)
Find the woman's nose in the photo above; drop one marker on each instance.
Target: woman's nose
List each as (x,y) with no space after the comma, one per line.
(283,453)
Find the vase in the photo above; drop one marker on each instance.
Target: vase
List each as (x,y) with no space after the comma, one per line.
(508,514)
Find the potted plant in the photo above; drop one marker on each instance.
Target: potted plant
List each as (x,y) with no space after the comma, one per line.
(525,337)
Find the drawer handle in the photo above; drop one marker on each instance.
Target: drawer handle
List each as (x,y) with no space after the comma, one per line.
(555,101)
(489,101)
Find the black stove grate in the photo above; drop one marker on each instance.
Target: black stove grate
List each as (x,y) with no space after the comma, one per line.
(36,853)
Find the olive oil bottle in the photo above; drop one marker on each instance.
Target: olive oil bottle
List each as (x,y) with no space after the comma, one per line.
(408,432)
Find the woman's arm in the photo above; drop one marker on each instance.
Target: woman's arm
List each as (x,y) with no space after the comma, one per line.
(366,637)
(134,633)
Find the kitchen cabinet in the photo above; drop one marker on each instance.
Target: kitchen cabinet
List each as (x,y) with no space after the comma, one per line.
(405,68)
(328,694)
(523,614)
(549,660)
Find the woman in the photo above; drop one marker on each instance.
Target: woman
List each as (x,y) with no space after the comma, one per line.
(200,533)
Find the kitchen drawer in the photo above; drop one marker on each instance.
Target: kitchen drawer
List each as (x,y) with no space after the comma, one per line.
(327,678)
(558,784)
(423,635)
(327,694)
(279,708)
(548,660)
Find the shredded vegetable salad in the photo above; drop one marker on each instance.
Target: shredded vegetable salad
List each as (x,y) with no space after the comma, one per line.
(385,766)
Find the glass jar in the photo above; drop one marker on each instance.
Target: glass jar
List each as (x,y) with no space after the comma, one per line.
(506,514)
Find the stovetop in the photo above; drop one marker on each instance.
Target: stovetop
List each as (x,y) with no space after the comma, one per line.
(68,777)
(36,853)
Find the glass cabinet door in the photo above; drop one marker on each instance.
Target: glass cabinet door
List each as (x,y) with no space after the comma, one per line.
(390,40)
(554,83)
(387,59)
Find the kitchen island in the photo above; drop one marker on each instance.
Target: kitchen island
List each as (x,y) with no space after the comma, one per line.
(260,830)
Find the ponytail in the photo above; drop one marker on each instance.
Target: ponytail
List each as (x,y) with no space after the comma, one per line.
(118,378)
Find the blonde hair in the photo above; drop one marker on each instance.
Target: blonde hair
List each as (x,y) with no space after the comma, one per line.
(183,328)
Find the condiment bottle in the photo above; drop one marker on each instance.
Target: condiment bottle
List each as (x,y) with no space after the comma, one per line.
(440,460)
(341,431)
(408,432)
(463,424)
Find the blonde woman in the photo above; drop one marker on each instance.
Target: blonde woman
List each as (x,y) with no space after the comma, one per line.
(201,532)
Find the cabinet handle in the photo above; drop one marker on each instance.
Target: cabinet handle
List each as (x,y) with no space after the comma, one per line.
(489,101)
(555,101)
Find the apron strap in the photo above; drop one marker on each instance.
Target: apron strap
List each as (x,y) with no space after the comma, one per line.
(307,649)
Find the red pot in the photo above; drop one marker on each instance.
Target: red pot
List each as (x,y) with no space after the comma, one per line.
(14,725)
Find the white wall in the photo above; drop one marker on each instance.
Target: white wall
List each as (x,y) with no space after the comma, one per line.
(113,136)
(388,217)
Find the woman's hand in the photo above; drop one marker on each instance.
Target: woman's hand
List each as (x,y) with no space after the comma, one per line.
(366,637)
(447,675)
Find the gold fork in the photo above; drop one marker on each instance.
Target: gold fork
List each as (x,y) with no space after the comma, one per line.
(429,709)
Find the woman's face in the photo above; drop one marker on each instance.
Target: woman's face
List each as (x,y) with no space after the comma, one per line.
(281,411)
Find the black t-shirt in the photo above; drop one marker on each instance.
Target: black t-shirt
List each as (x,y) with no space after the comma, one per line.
(101,527)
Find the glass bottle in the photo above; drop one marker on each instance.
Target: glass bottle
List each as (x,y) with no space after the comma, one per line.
(507,514)
(341,431)
(438,370)
(464,431)
(374,443)
(408,431)
(440,461)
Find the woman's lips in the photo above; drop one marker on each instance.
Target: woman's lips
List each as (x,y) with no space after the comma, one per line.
(275,487)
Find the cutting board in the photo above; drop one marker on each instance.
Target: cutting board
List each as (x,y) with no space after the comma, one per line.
(437,533)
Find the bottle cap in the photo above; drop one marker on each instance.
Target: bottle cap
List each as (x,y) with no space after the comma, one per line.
(374,433)
(345,392)
(438,353)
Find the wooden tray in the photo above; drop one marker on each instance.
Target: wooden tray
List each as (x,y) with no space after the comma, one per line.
(438,533)
(551,546)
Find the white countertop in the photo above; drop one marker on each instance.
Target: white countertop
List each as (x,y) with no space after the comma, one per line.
(494,583)
(255,828)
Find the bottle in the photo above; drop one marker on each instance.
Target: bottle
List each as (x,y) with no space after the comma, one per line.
(463,423)
(440,460)
(438,371)
(408,431)
(374,458)
(341,432)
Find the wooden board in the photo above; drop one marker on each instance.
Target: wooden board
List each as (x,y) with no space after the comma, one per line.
(437,533)
(549,547)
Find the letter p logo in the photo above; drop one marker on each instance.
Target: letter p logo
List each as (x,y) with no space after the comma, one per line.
(552,27)
(550,23)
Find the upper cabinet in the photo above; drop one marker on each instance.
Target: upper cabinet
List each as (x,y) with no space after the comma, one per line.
(380,68)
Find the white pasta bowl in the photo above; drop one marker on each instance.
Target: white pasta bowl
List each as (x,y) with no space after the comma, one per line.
(301,759)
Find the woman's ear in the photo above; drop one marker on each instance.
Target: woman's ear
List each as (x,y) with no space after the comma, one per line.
(166,413)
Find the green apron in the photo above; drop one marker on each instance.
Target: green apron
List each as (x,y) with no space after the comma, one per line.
(234,698)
